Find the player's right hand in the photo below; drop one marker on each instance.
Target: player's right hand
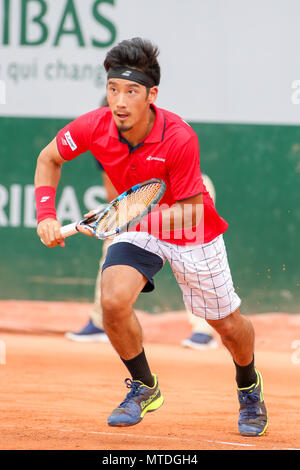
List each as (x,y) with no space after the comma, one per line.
(49,232)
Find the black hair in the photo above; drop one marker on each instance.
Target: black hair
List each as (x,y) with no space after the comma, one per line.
(136,53)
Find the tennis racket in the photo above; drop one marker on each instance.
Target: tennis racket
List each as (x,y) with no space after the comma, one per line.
(123,213)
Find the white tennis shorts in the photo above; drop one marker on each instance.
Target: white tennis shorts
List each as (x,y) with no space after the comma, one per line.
(202,272)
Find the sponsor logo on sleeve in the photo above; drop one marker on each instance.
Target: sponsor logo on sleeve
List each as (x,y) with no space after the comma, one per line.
(70,141)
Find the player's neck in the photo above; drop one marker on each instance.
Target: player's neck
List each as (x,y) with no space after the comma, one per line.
(141,130)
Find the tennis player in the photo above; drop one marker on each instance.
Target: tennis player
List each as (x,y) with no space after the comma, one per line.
(202,336)
(135,141)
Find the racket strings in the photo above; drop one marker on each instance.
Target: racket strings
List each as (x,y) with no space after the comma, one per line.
(127,208)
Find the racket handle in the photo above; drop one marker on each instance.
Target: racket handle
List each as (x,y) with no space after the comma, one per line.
(68,230)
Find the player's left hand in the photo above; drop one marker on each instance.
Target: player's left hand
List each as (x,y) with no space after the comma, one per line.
(84,229)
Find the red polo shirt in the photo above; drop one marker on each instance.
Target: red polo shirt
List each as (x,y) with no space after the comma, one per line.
(170,152)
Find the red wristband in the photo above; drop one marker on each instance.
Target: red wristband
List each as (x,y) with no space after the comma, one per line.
(45,203)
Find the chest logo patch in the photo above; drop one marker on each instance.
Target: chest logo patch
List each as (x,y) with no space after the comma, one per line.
(156,158)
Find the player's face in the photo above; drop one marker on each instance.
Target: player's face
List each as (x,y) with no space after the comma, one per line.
(129,103)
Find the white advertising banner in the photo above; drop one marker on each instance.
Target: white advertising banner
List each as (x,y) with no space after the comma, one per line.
(221,60)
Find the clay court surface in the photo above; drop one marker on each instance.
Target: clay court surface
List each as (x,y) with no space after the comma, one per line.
(56,394)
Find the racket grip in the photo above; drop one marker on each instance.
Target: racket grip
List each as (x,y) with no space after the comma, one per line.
(68,230)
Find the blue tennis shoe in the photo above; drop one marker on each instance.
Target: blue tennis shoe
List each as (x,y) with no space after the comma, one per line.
(253,417)
(137,403)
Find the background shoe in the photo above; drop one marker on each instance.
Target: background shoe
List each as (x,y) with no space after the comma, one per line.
(200,341)
(137,403)
(90,333)
(253,416)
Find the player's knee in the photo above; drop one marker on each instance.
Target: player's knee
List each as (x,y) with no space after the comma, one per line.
(114,302)
(115,309)
(224,327)
(110,304)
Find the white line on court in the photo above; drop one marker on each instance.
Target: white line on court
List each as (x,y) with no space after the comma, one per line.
(229,443)
(144,436)
(141,436)
(166,438)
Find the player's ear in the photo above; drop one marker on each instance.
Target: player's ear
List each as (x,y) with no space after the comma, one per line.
(152,95)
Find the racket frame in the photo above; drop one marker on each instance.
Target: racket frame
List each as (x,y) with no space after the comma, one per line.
(72,228)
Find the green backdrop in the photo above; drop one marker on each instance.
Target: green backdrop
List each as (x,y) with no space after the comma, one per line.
(256,173)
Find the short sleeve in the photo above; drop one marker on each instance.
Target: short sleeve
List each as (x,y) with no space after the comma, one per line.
(184,170)
(74,138)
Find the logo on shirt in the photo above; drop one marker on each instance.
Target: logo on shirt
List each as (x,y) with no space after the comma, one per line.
(156,158)
(70,141)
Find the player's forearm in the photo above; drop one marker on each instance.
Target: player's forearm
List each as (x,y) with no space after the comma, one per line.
(47,176)
(109,187)
(182,216)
